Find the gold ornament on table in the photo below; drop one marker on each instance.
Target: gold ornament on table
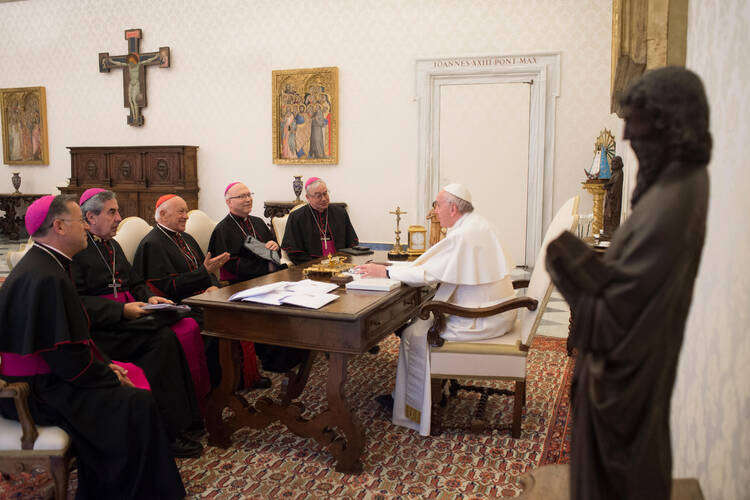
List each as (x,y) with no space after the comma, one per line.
(598,175)
(398,253)
(328,267)
(417,241)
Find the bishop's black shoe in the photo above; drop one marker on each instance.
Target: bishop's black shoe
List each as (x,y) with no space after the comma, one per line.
(184,447)
(385,401)
(374,349)
(262,383)
(196,430)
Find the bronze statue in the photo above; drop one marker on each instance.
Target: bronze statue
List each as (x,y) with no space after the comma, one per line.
(613,199)
(629,307)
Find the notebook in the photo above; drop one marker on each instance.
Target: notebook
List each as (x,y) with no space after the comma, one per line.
(376,284)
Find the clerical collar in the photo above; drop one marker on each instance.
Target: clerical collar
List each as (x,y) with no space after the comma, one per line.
(165,228)
(56,250)
(244,219)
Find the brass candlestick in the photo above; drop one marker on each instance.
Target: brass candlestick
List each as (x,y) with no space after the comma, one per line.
(398,253)
(596,188)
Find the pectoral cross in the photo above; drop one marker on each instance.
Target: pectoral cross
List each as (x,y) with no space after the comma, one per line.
(114,286)
(134,65)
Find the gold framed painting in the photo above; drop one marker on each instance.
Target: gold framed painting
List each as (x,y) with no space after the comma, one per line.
(24,126)
(305,116)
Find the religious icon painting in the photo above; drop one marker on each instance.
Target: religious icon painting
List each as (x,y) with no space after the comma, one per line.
(24,126)
(305,111)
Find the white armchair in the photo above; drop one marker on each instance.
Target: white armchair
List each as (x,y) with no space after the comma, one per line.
(12,257)
(200,226)
(24,445)
(279,227)
(130,232)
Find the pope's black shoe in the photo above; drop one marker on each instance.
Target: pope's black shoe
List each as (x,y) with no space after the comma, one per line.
(184,447)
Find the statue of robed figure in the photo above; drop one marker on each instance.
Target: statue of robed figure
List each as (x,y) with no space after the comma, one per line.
(629,307)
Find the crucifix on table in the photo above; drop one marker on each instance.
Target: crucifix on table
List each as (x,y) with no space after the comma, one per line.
(133,66)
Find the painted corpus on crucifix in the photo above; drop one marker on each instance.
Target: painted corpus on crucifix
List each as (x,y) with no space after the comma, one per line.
(134,73)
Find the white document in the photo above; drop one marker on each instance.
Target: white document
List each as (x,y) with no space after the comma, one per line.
(305,293)
(310,301)
(376,284)
(258,290)
(311,286)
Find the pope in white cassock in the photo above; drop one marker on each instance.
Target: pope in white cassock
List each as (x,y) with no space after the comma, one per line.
(470,269)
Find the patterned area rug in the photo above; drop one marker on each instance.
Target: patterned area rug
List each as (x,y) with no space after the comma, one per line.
(557,443)
(398,463)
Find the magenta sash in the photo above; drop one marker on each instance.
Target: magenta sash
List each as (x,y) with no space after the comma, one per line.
(135,374)
(16,365)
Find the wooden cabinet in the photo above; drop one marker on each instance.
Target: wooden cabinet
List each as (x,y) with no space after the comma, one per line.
(138,175)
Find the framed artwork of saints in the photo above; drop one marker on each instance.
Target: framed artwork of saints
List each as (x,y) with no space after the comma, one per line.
(24,126)
(305,116)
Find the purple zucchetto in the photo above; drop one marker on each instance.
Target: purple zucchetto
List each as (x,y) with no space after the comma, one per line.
(311,180)
(89,193)
(37,212)
(229,187)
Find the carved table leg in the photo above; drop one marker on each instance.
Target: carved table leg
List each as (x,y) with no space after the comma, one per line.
(336,428)
(225,395)
(347,453)
(296,382)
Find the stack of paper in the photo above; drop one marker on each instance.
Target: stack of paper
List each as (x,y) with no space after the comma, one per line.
(305,293)
(377,284)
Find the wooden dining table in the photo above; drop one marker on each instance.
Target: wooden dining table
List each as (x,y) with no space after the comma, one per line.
(350,325)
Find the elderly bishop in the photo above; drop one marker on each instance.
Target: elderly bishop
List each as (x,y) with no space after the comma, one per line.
(317,229)
(114,296)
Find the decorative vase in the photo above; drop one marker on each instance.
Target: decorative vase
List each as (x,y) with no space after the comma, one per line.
(16,180)
(296,186)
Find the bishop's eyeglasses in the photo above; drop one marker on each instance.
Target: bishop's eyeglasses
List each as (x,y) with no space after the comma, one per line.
(245,196)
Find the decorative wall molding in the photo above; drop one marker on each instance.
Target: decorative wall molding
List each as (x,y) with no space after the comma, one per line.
(542,70)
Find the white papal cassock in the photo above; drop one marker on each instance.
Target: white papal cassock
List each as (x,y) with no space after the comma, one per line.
(472,271)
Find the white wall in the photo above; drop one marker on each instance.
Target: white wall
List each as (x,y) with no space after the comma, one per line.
(217,93)
(711,404)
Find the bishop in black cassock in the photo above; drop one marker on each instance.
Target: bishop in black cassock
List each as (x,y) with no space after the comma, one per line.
(317,229)
(630,306)
(117,431)
(173,265)
(112,294)
(229,235)
(171,260)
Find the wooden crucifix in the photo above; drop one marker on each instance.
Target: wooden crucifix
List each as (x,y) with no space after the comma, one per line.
(133,66)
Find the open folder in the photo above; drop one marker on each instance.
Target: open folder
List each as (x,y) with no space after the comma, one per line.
(305,293)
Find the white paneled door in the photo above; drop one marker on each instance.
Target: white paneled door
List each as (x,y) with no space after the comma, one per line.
(484,144)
